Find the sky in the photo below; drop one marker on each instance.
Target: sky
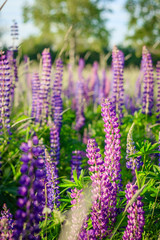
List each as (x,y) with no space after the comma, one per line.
(13,11)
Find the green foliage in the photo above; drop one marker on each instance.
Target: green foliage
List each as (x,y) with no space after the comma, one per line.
(57,16)
(144,24)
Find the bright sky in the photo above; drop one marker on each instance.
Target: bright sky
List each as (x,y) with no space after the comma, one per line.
(13,10)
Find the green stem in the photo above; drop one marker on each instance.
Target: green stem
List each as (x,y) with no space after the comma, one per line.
(138,183)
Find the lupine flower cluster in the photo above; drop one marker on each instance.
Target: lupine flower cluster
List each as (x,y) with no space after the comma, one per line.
(76,162)
(51,182)
(55,156)
(5,85)
(112,141)
(159,151)
(103,193)
(32,198)
(136,219)
(80,119)
(132,162)
(45,85)
(148,83)
(118,88)
(158,94)
(13,72)
(6,224)
(35,97)
(57,106)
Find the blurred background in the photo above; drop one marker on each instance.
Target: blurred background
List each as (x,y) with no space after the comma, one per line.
(82,28)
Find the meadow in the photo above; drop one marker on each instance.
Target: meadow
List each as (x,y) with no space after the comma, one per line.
(79,149)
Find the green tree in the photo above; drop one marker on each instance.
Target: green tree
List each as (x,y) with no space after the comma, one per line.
(144,24)
(85,19)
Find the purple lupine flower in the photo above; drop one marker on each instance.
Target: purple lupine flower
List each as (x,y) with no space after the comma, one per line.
(45,85)
(129,104)
(148,83)
(13,73)
(76,162)
(159,151)
(112,141)
(51,182)
(4,95)
(103,212)
(55,144)
(118,88)
(138,87)
(105,86)
(32,197)
(6,224)
(80,119)
(35,97)
(132,162)
(55,156)
(104,191)
(136,219)
(158,92)
(57,104)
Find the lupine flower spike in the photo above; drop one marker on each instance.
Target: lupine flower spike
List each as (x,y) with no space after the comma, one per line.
(57,104)
(4,96)
(112,141)
(135,216)
(32,198)
(76,162)
(158,93)
(6,224)
(118,88)
(148,82)
(132,162)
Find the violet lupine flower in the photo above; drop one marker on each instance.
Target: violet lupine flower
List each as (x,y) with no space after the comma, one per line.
(104,191)
(112,141)
(35,97)
(148,83)
(32,197)
(6,224)
(80,119)
(51,182)
(159,150)
(55,155)
(55,144)
(13,72)
(118,88)
(105,86)
(158,93)
(76,162)
(4,96)
(132,162)
(45,85)
(57,103)
(136,219)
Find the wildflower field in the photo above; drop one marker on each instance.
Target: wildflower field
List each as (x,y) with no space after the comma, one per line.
(79,149)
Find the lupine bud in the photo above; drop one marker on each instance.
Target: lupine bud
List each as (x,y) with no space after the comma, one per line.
(132,162)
